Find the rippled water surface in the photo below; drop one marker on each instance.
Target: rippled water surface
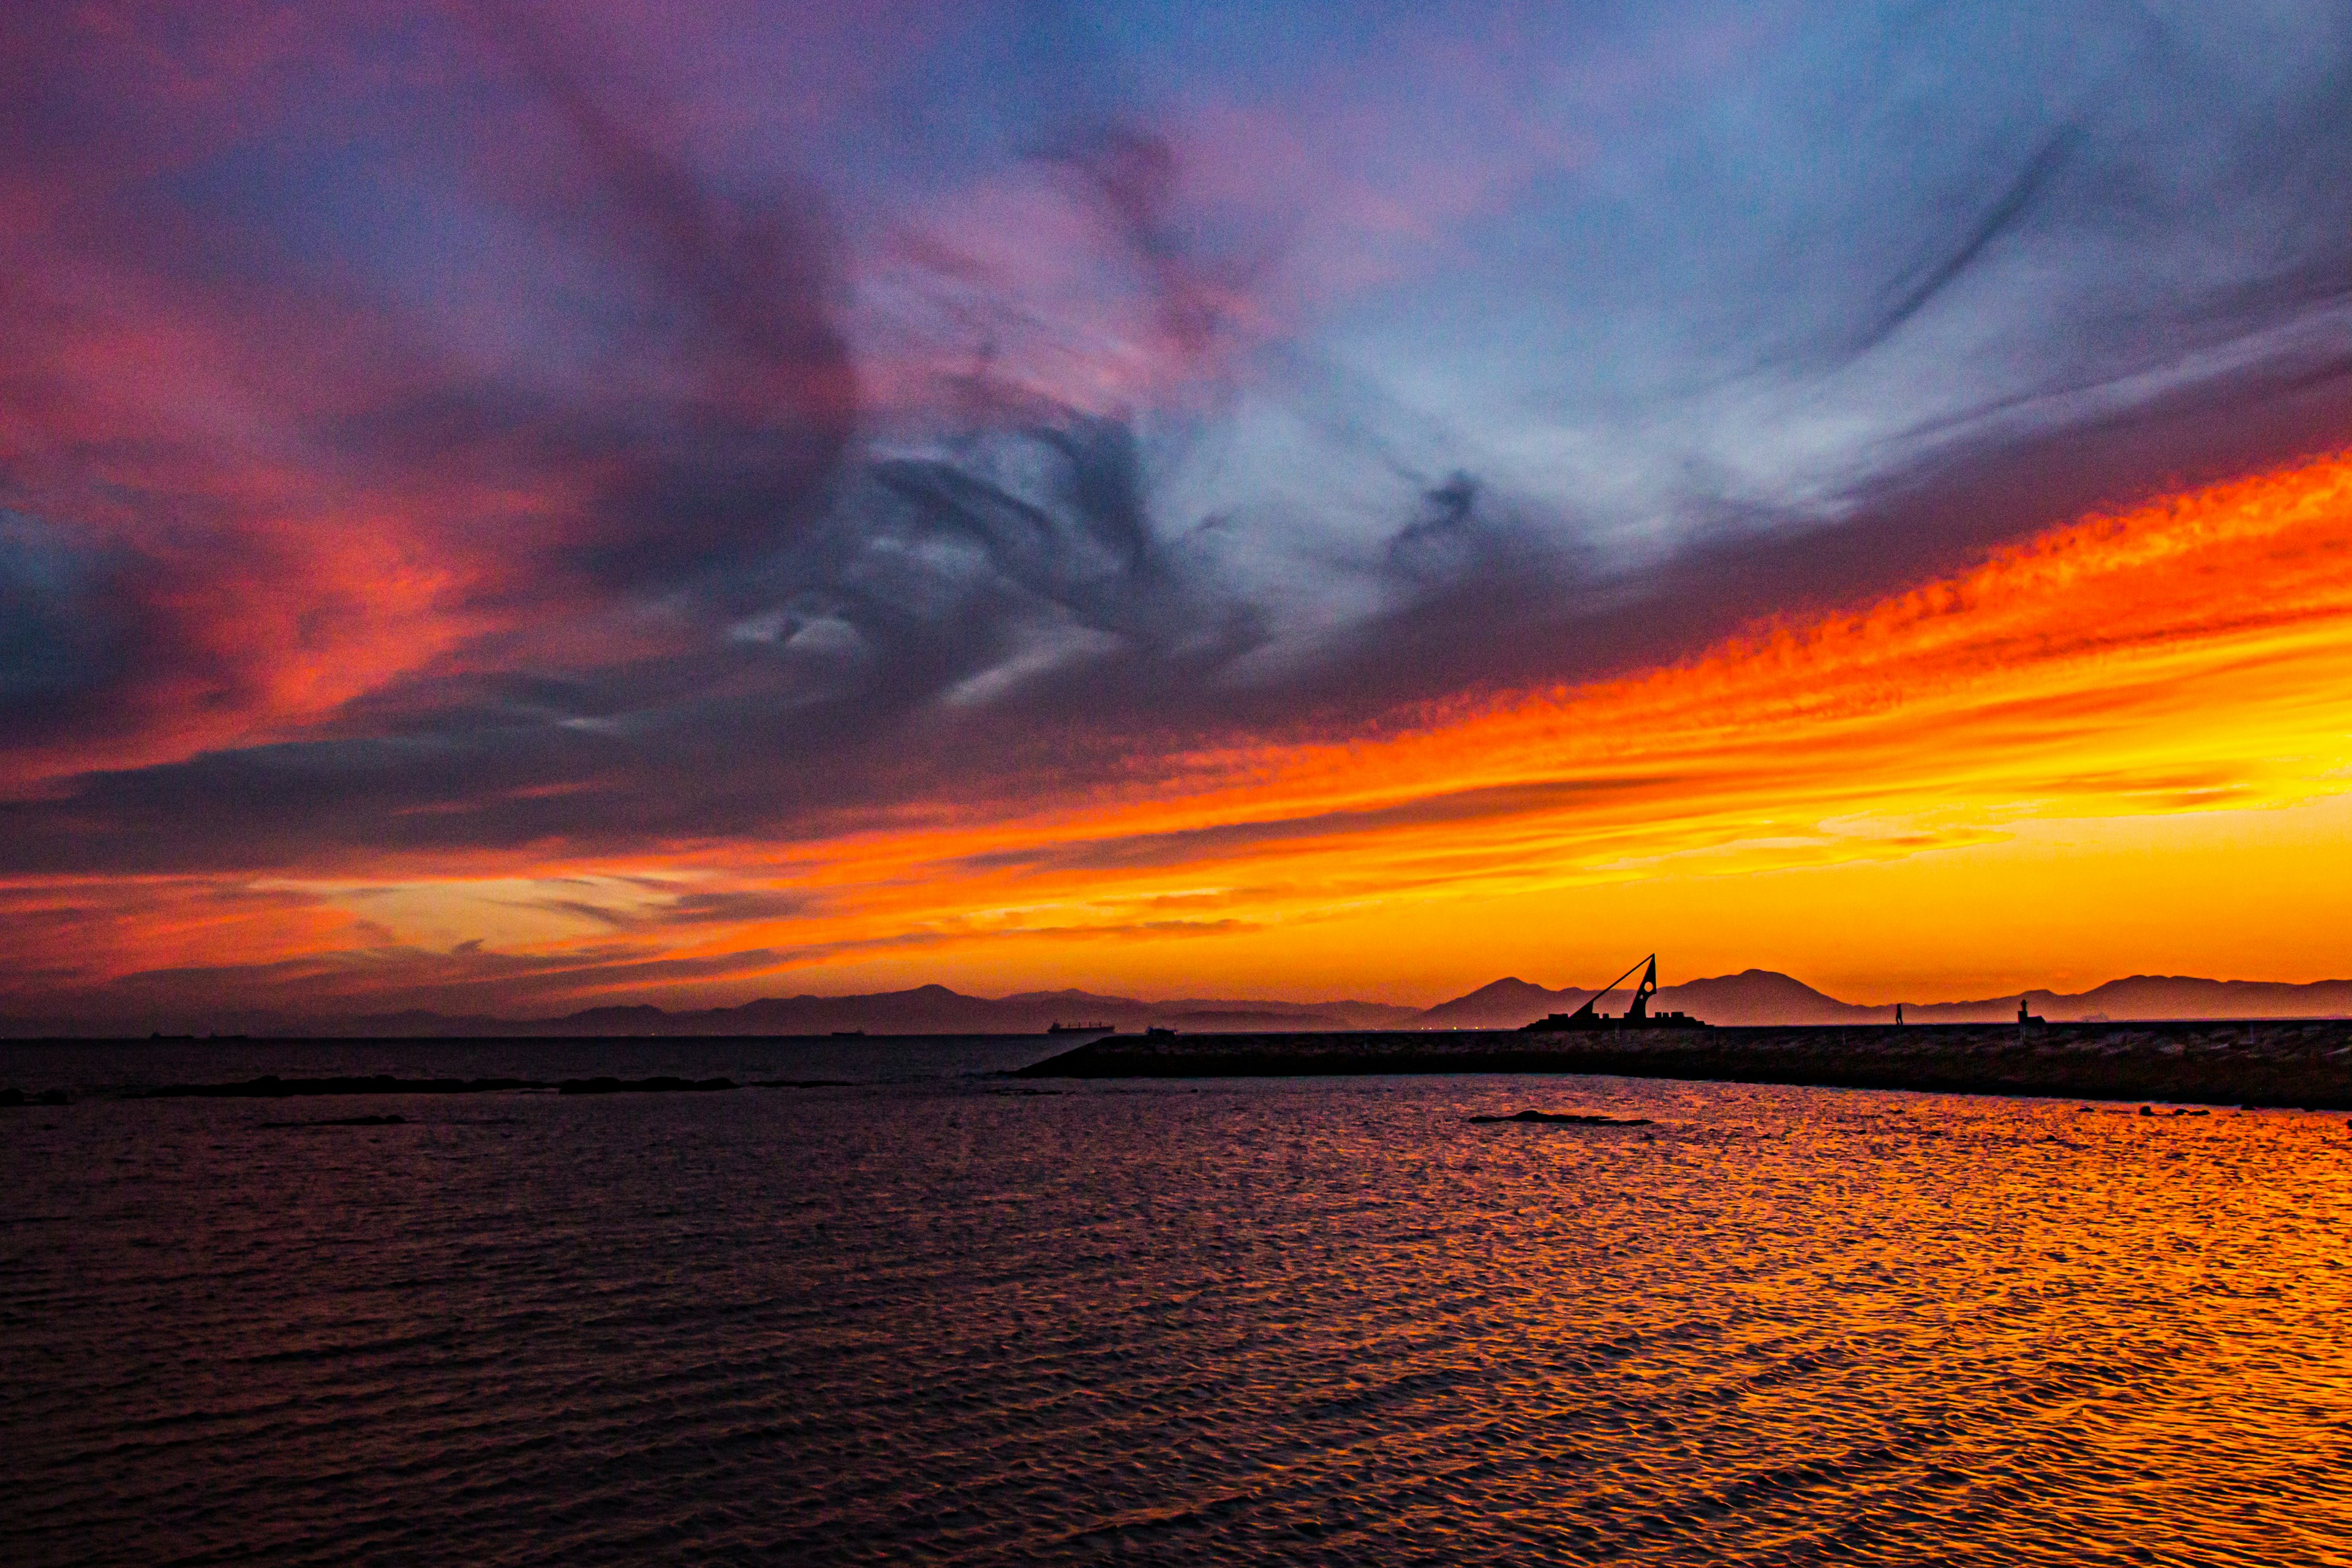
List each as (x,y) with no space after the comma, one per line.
(936,1316)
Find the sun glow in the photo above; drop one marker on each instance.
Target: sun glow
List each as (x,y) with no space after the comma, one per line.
(1870,797)
(2187,657)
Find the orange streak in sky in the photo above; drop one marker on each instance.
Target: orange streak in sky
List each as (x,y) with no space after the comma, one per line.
(2186,655)
(2190,657)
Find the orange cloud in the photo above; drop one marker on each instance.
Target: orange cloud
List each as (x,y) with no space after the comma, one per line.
(2185,659)
(2188,656)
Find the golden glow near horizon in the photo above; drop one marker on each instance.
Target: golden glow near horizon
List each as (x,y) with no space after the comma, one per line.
(2126,745)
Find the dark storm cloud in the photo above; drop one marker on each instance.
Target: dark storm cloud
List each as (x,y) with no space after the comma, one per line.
(1133,177)
(707,400)
(51,644)
(667,907)
(1911,293)
(741,458)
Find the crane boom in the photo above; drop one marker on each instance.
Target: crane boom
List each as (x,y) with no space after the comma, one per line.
(1637,1015)
(1642,994)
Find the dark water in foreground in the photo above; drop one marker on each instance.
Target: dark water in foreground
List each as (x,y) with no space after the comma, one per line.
(942,1318)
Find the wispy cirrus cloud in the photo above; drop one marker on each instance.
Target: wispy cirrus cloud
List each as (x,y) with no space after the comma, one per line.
(2120,670)
(440,447)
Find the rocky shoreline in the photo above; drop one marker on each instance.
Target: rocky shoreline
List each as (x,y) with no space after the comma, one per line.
(2301,1063)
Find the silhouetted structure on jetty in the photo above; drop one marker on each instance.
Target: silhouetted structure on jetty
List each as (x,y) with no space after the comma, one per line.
(1637,1013)
(2269,1061)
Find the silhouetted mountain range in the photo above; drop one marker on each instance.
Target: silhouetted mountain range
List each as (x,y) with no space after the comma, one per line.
(1762,996)
(1753,996)
(2160,997)
(925,1010)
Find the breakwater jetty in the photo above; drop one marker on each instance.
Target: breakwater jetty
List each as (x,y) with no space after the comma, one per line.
(2302,1063)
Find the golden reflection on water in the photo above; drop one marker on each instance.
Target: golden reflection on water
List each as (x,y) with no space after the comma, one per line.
(1288,1321)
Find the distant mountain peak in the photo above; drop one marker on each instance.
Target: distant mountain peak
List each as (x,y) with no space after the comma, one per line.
(1509,985)
(1750,997)
(1075,996)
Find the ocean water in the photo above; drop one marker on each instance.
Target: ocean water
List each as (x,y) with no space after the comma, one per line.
(938,1315)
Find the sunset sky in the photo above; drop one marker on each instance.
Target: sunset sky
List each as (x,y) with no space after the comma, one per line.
(506,509)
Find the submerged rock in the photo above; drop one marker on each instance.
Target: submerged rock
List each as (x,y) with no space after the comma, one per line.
(2259,1061)
(642,1085)
(1570,1119)
(346,1122)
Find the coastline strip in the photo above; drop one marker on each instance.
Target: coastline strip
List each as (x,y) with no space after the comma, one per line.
(2283,1063)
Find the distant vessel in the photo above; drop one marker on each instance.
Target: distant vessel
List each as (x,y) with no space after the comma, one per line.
(1081,1029)
(1637,1017)
(1160,1032)
(849,1034)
